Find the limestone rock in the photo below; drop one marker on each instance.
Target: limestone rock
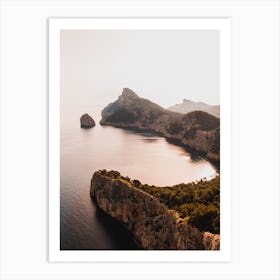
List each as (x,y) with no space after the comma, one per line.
(211,241)
(152,224)
(87,121)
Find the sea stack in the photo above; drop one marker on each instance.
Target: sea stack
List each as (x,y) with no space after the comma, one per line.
(87,121)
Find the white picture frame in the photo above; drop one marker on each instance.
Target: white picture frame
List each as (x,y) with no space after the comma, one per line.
(56,25)
(24,114)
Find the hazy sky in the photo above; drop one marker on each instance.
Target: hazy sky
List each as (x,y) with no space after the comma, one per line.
(163,66)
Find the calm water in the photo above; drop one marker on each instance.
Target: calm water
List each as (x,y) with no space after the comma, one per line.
(141,156)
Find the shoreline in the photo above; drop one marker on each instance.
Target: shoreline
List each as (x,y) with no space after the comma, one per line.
(193,152)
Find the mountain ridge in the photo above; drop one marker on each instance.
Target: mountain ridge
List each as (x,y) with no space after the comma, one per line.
(197,130)
(188,106)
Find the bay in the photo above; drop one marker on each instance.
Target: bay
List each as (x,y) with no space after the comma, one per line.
(143,156)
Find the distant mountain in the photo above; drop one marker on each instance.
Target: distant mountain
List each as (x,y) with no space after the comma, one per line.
(196,130)
(188,106)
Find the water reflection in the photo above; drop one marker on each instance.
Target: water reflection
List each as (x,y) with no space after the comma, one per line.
(143,156)
(149,140)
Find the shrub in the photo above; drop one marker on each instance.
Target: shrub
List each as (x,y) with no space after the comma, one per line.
(122,116)
(198,203)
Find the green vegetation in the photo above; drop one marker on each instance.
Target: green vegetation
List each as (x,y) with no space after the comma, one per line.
(197,203)
(174,127)
(215,148)
(190,133)
(202,120)
(122,115)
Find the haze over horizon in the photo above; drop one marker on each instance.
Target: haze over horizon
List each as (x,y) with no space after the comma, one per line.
(162,66)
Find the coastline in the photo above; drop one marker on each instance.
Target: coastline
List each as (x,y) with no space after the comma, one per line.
(195,154)
(152,223)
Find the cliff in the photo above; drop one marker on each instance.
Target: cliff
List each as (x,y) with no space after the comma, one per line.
(188,106)
(198,131)
(152,224)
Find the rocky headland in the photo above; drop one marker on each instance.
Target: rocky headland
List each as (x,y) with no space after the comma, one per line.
(153,225)
(197,131)
(87,121)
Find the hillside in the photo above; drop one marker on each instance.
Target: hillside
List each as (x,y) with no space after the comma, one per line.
(197,131)
(148,211)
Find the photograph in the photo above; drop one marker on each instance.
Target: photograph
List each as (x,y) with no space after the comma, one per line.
(140,122)
(139,140)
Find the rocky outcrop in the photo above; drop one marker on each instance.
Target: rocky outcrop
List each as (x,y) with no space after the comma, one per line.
(188,106)
(153,225)
(211,241)
(87,121)
(198,131)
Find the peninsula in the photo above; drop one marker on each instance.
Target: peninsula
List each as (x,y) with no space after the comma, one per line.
(197,131)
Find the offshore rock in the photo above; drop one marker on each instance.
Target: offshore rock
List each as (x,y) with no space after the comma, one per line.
(87,121)
(153,225)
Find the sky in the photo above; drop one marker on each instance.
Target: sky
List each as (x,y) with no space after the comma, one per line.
(162,66)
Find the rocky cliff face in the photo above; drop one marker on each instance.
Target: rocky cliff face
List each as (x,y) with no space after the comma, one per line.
(197,130)
(152,224)
(188,106)
(87,121)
